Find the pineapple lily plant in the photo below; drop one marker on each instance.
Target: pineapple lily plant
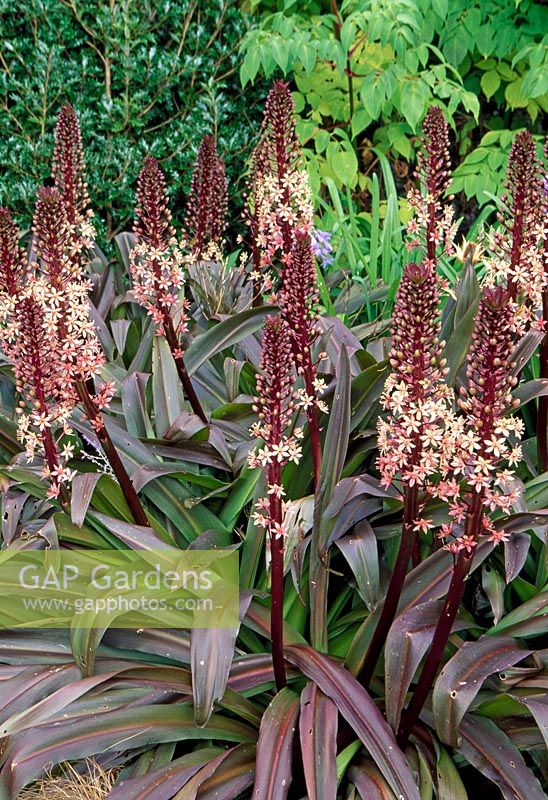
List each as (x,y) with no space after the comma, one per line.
(386,492)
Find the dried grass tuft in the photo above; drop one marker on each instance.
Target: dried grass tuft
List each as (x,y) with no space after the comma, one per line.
(68,784)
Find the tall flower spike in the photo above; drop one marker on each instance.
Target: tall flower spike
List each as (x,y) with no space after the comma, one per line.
(156,268)
(281,197)
(485,400)
(279,129)
(412,441)
(156,263)
(69,175)
(433,226)
(52,238)
(516,247)
(299,305)
(254,219)
(415,440)
(522,202)
(64,289)
(34,352)
(487,394)
(274,407)
(207,200)
(487,431)
(12,260)
(542,419)
(274,402)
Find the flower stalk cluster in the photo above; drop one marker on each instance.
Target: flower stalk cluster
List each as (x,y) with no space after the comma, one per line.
(62,288)
(413,444)
(416,438)
(279,190)
(516,248)
(47,331)
(432,227)
(69,177)
(157,269)
(299,305)
(207,202)
(40,380)
(485,447)
(31,345)
(489,439)
(518,257)
(274,406)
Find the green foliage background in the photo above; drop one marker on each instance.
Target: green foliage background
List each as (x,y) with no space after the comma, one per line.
(367,70)
(149,76)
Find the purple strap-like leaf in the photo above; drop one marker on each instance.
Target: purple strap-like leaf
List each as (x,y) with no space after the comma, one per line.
(318,734)
(226,776)
(523,521)
(515,554)
(524,350)
(192,786)
(12,505)
(251,671)
(350,488)
(538,706)
(50,704)
(137,537)
(134,406)
(371,786)
(83,487)
(167,393)
(360,550)
(117,731)
(275,746)
(173,644)
(160,784)
(449,785)
(493,585)
(529,619)
(361,713)
(408,640)
(211,653)
(424,584)
(226,333)
(488,749)
(31,686)
(462,677)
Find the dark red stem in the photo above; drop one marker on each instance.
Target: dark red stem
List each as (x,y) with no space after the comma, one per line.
(50,450)
(174,346)
(444,625)
(277,578)
(391,601)
(131,496)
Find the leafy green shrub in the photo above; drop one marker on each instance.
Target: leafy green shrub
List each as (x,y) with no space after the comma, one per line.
(365,72)
(149,76)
